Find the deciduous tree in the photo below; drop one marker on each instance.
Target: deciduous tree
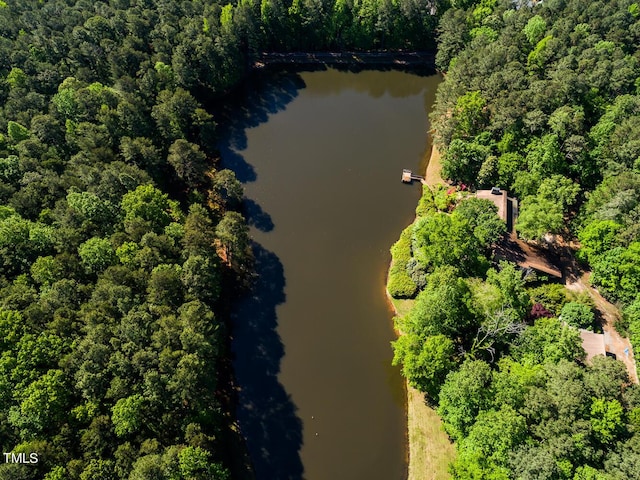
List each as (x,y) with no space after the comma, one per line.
(425,361)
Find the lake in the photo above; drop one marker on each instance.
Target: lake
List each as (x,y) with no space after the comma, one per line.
(320,155)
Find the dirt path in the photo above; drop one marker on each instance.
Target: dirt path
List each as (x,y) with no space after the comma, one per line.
(578,281)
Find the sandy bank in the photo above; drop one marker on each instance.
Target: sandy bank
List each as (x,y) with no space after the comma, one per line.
(432,173)
(430,450)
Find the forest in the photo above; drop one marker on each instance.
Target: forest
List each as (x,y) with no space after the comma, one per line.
(542,100)
(118,237)
(122,240)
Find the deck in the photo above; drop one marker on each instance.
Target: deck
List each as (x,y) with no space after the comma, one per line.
(409,177)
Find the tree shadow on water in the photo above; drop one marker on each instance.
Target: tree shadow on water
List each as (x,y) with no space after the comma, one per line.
(265,412)
(256,216)
(261,95)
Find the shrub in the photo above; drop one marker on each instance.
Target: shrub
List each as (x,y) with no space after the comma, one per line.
(426,205)
(538,311)
(399,283)
(552,296)
(631,315)
(578,315)
(417,272)
(444,198)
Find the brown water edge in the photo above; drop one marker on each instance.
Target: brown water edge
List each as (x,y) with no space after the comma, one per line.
(321,154)
(429,449)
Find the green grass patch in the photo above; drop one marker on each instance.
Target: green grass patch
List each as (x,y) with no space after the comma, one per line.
(430,449)
(403,305)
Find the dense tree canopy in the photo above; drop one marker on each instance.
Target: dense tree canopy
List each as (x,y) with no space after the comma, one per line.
(119,233)
(541,99)
(547,107)
(112,219)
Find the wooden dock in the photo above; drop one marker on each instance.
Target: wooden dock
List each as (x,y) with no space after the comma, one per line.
(409,177)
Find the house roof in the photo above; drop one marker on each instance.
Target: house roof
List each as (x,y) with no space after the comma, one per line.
(499,200)
(525,255)
(593,343)
(512,248)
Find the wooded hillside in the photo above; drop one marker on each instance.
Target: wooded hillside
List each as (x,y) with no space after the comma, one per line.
(541,100)
(545,102)
(119,233)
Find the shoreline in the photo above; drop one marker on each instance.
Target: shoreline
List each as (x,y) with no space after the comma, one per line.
(347,58)
(432,172)
(429,450)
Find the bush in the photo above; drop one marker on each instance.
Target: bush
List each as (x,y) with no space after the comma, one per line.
(444,198)
(622,326)
(552,296)
(399,284)
(426,205)
(417,272)
(538,311)
(578,315)
(631,315)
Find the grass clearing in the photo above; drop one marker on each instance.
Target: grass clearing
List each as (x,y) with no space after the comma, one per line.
(402,306)
(430,451)
(432,175)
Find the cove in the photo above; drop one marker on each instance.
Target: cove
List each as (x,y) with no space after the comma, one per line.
(320,155)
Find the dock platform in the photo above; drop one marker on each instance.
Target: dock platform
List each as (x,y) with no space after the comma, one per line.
(409,177)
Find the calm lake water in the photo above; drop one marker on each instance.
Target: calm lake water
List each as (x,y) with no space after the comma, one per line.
(320,155)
